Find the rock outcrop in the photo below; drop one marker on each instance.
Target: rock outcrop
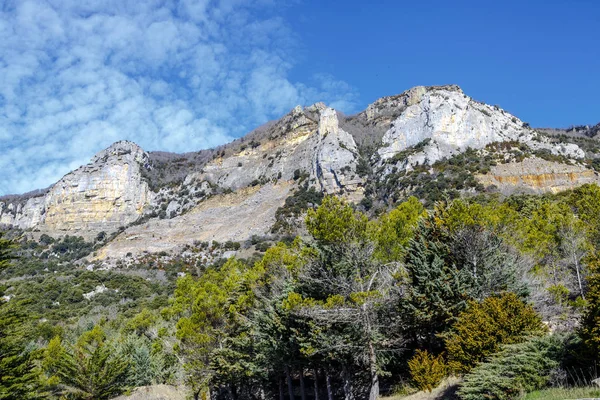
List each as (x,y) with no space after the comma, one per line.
(164,201)
(450,122)
(310,141)
(233,216)
(337,156)
(534,175)
(103,195)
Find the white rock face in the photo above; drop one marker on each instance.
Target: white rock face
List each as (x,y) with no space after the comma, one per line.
(320,148)
(337,157)
(100,196)
(452,122)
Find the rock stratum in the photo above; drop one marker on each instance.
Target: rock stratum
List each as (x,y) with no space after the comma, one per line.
(161,201)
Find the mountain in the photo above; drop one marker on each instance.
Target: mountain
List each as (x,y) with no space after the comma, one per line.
(428,141)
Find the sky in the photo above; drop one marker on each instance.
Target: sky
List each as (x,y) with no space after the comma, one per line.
(183,75)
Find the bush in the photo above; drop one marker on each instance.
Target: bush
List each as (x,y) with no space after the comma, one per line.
(426,370)
(517,369)
(484,327)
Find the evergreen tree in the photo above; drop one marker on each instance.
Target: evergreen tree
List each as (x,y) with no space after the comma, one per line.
(91,370)
(589,330)
(449,263)
(484,327)
(19,377)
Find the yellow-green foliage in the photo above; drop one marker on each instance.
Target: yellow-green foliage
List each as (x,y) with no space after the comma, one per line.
(426,370)
(484,327)
(392,231)
(336,222)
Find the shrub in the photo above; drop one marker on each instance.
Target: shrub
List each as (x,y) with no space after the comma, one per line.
(426,370)
(517,369)
(484,327)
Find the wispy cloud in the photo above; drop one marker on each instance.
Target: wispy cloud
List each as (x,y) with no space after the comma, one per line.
(76,76)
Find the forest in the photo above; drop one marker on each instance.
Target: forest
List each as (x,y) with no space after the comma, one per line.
(503,293)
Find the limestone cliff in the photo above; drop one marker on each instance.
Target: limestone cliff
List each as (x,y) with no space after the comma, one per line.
(103,195)
(162,201)
(534,175)
(308,140)
(451,122)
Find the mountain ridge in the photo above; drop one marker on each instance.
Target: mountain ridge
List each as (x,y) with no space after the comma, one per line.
(396,147)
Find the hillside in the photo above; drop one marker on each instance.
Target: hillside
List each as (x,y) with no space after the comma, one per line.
(379,253)
(432,142)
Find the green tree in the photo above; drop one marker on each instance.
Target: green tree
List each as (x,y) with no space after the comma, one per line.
(427,371)
(393,231)
(446,266)
(346,290)
(205,308)
(517,369)
(90,369)
(335,222)
(485,326)
(589,330)
(7,247)
(19,376)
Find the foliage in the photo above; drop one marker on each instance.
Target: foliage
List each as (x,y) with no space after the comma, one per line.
(19,376)
(91,369)
(335,222)
(393,231)
(449,264)
(589,330)
(517,369)
(6,251)
(426,370)
(295,205)
(481,329)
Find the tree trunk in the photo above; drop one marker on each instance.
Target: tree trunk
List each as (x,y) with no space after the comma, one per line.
(289,382)
(579,278)
(328,381)
(261,393)
(374,393)
(316,382)
(348,395)
(302,388)
(281,395)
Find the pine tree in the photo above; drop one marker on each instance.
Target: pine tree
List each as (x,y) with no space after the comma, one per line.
(18,372)
(91,369)
(436,289)
(589,330)
(485,326)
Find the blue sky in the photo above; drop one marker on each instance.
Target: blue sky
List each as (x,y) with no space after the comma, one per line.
(181,75)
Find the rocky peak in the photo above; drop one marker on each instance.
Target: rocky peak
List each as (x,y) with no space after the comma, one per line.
(104,195)
(446,122)
(392,106)
(122,150)
(337,157)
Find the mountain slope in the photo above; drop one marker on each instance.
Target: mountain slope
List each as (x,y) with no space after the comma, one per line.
(427,141)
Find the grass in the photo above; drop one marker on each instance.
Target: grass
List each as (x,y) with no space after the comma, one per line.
(563,394)
(442,393)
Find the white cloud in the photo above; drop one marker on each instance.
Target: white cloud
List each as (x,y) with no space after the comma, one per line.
(170,75)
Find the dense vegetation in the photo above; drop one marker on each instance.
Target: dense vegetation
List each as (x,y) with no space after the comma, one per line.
(354,308)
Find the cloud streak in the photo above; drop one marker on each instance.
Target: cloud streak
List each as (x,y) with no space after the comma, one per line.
(76,76)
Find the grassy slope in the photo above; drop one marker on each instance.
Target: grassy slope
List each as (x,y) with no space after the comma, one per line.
(562,394)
